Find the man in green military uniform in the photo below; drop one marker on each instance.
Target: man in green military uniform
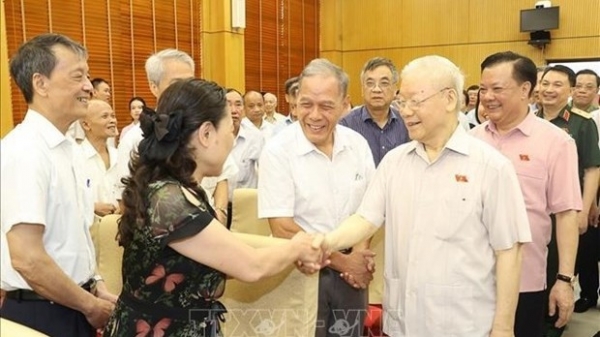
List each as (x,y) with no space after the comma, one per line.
(587,84)
(556,87)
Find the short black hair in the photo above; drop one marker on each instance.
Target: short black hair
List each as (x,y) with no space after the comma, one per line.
(97,81)
(290,83)
(589,72)
(37,56)
(524,70)
(562,69)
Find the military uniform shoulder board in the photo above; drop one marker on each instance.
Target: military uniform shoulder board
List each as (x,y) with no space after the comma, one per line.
(581,113)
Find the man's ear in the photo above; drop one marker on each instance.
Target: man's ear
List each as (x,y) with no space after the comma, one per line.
(452,100)
(153,89)
(84,124)
(525,90)
(40,84)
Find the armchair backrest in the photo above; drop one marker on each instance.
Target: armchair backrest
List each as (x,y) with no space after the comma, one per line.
(9,328)
(244,218)
(109,255)
(282,305)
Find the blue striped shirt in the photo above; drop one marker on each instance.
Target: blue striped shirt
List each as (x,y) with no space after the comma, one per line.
(381,140)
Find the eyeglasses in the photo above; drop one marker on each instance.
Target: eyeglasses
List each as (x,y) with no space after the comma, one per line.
(414,105)
(587,87)
(383,85)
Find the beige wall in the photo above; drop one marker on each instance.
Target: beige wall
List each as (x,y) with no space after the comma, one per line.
(222,46)
(465,31)
(6,123)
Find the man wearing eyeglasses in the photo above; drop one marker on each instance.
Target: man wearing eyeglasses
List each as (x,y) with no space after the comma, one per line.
(545,159)
(376,120)
(454,218)
(587,84)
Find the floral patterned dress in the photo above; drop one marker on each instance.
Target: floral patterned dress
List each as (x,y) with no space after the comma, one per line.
(165,293)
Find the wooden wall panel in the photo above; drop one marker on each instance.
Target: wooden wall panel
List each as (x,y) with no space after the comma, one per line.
(465,31)
(6,118)
(119,36)
(281,37)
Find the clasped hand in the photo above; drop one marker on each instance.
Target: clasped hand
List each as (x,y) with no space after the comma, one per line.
(314,253)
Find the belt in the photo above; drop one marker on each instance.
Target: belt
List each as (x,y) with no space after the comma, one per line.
(30,295)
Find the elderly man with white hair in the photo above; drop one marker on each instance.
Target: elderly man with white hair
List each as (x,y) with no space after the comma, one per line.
(454,218)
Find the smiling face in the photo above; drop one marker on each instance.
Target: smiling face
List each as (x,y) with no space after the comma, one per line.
(100,121)
(270,103)
(433,111)
(555,89)
(319,107)
(67,90)
(505,100)
(378,89)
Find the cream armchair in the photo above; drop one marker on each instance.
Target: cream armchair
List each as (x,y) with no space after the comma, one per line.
(244,218)
(13,329)
(109,255)
(282,305)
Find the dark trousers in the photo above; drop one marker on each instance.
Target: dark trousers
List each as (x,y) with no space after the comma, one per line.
(529,317)
(50,318)
(587,263)
(342,308)
(551,271)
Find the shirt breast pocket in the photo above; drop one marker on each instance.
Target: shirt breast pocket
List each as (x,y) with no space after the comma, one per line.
(452,214)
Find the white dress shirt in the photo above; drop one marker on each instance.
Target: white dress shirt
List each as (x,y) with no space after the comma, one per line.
(42,183)
(444,220)
(298,180)
(246,151)
(103,181)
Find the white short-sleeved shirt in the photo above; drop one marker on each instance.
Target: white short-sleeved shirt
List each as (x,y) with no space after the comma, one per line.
(299,181)
(42,183)
(130,143)
(276,116)
(102,181)
(209,184)
(246,151)
(444,221)
(266,128)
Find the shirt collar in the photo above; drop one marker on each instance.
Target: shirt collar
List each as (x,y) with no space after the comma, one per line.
(51,135)
(365,115)
(525,127)
(564,113)
(305,146)
(88,149)
(458,142)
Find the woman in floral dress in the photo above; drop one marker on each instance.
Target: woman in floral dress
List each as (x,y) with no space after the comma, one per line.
(177,255)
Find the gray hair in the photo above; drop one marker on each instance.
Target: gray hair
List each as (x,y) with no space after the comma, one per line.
(37,56)
(377,62)
(324,67)
(437,69)
(155,63)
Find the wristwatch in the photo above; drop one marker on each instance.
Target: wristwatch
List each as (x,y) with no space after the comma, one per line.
(565,278)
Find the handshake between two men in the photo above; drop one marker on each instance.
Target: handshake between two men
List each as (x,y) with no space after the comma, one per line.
(356,266)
